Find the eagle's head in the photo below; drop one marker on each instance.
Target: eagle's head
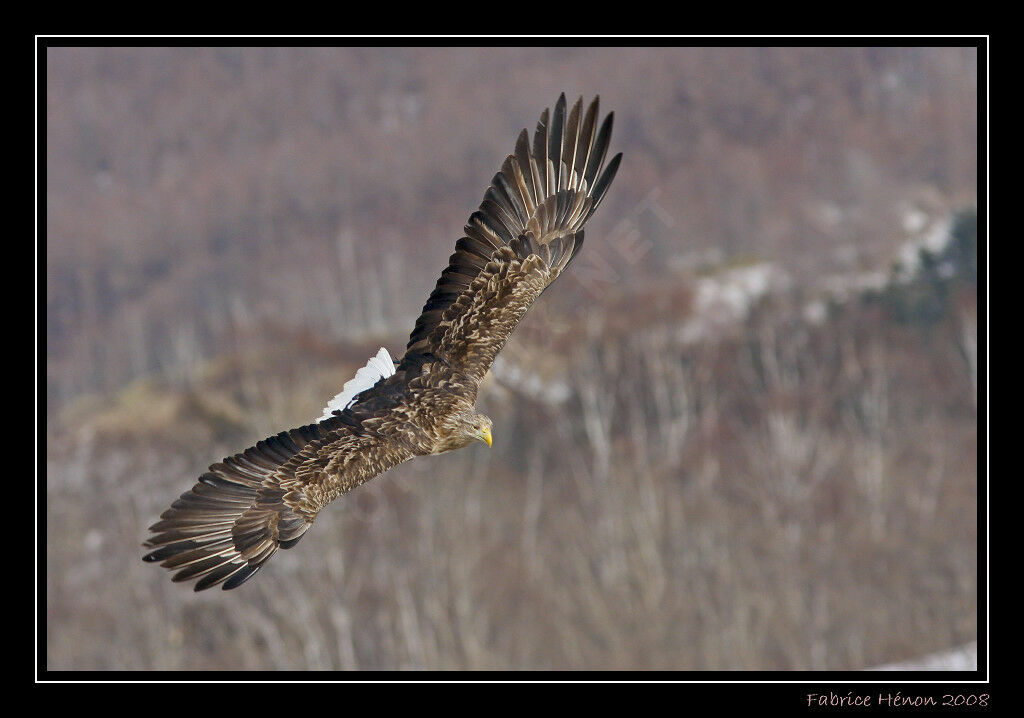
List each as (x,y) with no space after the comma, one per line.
(462,430)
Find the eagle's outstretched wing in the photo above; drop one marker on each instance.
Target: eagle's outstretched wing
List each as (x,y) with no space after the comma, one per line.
(527,230)
(243,509)
(235,518)
(525,233)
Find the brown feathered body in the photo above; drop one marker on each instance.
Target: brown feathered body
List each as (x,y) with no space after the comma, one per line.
(527,230)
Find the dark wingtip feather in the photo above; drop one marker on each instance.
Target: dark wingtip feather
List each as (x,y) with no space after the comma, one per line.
(601,188)
(600,149)
(571,143)
(555,140)
(606,179)
(242,576)
(540,148)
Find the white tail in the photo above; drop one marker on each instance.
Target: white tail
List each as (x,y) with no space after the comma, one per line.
(378,367)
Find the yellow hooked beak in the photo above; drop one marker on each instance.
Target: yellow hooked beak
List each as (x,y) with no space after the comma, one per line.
(485,435)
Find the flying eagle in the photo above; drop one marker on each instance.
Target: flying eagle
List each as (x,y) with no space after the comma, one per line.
(527,230)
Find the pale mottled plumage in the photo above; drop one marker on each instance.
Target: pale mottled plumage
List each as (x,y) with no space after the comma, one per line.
(527,230)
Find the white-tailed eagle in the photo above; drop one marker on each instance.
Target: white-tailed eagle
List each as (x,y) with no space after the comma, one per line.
(526,232)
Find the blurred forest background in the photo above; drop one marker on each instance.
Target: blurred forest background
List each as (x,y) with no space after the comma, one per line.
(741,433)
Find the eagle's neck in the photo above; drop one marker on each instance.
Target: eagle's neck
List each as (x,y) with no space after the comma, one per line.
(451,443)
(455,428)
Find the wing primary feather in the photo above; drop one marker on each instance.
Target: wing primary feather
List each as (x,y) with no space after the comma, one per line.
(540,153)
(600,148)
(524,184)
(507,182)
(555,142)
(245,573)
(602,183)
(525,176)
(572,142)
(587,140)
